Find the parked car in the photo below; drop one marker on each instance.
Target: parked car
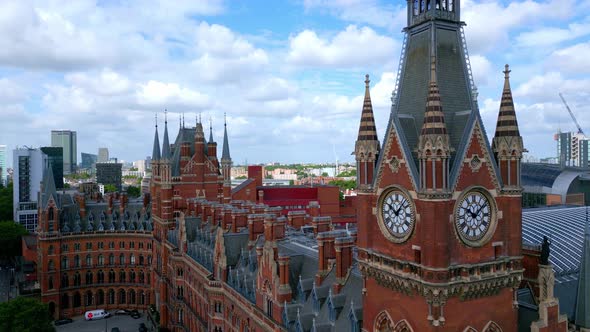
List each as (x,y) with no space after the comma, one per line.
(62,321)
(122,312)
(135,314)
(143,328)
(96,314)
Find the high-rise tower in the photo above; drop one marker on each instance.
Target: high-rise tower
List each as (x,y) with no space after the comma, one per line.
(440,229)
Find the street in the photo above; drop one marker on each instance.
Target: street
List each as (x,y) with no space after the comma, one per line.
(124,323)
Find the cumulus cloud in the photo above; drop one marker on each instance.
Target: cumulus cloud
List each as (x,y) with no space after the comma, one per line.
(361,11)
(573,59)
(352,47)
(547,36)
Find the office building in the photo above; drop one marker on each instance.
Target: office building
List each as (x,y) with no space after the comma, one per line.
(109,173)
(89,160)
(68,141)
(3,166)
(55,158)
(103,155)
(28,167)
(572,149)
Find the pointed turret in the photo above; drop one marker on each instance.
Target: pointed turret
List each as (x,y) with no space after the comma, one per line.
(226,164)
(225,154)
(211,145)
(156,148)
(583,300)
(48,186)
(166,144)
(434,150)
(367,144)
(210,132)
(507,143)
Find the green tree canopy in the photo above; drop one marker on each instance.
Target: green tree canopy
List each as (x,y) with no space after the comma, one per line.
(133,191)
(348,184)
(110,188)
(6,202)
(347,173)
(25,314)
(10,239)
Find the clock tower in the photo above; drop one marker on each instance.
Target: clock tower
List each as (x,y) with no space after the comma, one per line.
(440,225)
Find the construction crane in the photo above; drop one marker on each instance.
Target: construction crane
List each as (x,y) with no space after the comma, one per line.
(580,131)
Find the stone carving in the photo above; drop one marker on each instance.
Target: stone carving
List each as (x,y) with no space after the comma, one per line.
(545,250)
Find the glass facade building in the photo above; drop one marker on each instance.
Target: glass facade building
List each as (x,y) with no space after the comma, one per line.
(55,158)
(67,140)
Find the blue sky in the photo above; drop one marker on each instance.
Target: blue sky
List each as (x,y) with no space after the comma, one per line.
(289,74)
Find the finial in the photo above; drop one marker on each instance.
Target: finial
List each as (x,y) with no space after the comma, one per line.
(367,80)
(165,116)
(180,121)
(433,69)
(156,120)
(224,119)
(507,71)
(200,118)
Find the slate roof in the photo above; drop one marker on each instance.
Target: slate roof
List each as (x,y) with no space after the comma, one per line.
(225,154)
(156,148)
(48,187)
(166,154)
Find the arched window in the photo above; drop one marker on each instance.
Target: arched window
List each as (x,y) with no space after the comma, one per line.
(50,265)
(77,279)
(111,276)
(149,261)
(140,259)
(100,277)
(64,262)
(142,298)
(132,259)
(88,278)
(122,276)
(51,250)
(111,296)
(122,296)
(50,282)
(132,296)
(141,277)
(100,260)
(111,259)
(77,299)
(65,301)
(132,276)
(88,297)
(88,260)
(100,297)
(51,214)
(122,259)
(65,281)
(77,261)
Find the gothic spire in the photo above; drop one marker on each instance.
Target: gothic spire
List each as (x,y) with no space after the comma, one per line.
(367,129)
(583,300)
(48,185)
(210,131)
(507,124)
(225,154)
(434,118)
(156,149)
(166,144)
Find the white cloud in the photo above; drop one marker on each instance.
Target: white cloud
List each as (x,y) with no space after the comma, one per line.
(481,67)
(357,47)
(547,36)
(361,11)
(573,59)
(10,92)
(159,95)
(545,88)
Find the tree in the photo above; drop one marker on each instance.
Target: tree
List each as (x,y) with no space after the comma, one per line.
(6,202)
(133,191)
(347,173)
(344,184)
(110,188)
(10,239)
(241,177)
(325,174)
(25,314)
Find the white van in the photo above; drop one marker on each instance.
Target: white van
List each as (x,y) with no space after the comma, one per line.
(96,314)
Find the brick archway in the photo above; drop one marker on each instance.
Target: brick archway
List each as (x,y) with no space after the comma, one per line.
(492,327)
(384,323)
(403,326)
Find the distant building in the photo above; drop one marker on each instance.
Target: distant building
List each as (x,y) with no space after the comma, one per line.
(55,158)
(148,162)
(68,141)
(109,173)
(28,167)
(103,155)
(140,165)
(3,170)
(89,160)
(572,149)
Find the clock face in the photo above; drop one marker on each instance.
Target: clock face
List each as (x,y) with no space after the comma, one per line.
(474,217)
(397,214)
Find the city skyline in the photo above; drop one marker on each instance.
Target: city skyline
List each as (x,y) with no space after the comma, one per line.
(300,74)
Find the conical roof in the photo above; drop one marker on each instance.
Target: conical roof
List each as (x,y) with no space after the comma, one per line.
(507,126)
(211,133)
(434,118)
(48,186)
(166,144)
(156,148)
(367,128)
(225,154)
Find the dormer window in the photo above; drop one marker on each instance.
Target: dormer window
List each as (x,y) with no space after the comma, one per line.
(316,302)
(331,311)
